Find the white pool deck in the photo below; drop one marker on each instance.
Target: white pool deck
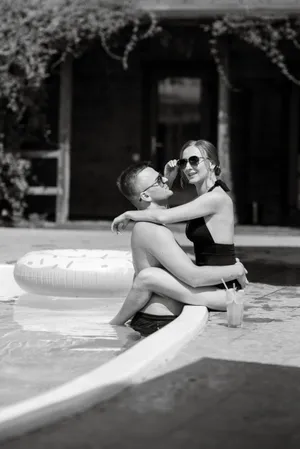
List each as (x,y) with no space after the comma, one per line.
(125,370)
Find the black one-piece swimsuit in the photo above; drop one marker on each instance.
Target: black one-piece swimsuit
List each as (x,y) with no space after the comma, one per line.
(207,252)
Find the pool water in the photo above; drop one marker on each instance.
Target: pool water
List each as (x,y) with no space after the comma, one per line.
(47,341)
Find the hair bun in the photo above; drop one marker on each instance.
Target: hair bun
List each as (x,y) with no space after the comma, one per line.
(217,170)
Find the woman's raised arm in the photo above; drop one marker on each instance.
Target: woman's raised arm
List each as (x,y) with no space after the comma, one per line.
(207,204)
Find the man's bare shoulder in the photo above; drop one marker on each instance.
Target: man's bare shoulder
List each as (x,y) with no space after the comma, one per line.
(146,230)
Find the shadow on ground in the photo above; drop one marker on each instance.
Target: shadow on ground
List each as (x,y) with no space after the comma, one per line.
(211,404)
(274,274)
(276,266)
(269,265)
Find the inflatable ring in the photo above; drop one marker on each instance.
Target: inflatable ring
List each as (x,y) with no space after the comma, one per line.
(75,273)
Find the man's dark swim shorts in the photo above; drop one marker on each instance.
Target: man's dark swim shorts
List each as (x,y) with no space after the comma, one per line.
(147,324)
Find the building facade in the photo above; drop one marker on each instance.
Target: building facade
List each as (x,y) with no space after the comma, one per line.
(108,118)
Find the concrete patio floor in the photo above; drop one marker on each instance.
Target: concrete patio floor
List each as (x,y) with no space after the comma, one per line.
(237,388)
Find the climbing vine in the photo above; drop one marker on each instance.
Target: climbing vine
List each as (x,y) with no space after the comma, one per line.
(36,35)
(268,34)
(14,173)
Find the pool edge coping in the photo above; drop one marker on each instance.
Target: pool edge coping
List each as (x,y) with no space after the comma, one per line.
(105,382)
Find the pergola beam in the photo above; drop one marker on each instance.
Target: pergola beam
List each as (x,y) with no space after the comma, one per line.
(197,9)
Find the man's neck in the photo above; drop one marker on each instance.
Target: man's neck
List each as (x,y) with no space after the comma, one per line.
(162,205)
(152,205)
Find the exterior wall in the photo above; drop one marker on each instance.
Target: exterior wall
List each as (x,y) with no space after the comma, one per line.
(106,131)
(114,118)
(259,133)
(258,157)
(259,117)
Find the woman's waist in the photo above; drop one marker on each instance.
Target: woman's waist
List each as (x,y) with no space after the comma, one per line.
(216,254)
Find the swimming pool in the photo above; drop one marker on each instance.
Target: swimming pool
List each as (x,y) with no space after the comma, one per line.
(48,341)
(59,357)
(43,345)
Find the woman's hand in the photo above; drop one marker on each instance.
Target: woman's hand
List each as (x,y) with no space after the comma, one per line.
(120,223)
(171,171)
(242,278)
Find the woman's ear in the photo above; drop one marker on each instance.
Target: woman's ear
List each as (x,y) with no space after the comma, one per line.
(212,166)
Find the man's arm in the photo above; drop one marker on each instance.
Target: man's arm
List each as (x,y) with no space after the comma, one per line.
(160,242)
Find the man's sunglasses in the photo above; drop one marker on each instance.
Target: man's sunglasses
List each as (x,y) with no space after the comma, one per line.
(158,182)
(193,160)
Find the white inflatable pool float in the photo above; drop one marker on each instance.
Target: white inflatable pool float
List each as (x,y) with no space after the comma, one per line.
(76,273)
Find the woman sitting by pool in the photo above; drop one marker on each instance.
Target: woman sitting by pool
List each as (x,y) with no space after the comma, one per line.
(210,227)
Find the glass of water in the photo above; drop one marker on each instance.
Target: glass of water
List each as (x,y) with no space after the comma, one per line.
(235,307)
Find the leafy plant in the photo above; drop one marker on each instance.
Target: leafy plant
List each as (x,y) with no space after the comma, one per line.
(14,172)
(37,35)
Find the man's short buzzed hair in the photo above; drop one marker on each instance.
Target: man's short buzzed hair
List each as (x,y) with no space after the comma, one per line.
(126,182)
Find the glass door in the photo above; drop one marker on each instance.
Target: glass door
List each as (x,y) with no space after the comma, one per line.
(180,105)
(178,120)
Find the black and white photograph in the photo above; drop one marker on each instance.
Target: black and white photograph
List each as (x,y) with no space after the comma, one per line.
(149,224)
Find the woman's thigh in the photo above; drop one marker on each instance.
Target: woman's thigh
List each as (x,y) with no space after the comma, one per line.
(163,283)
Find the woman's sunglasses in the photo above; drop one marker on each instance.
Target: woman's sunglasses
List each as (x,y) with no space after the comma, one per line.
(193,160)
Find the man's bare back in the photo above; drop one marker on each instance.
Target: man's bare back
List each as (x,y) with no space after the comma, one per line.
(142,258)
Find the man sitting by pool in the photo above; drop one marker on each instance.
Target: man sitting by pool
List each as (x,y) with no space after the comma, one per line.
(154,245)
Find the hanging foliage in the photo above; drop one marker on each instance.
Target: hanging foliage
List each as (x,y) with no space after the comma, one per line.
(14,173)
(266,33)
(35,37)
(34,33)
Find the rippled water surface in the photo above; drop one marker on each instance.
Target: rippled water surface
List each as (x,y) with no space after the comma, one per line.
(46,341)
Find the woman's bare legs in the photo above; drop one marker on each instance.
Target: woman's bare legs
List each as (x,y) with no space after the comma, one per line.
(156,280)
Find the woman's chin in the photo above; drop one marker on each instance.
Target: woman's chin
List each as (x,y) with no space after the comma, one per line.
(193,181)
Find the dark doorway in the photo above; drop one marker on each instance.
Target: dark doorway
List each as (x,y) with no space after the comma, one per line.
(181,105)
(293,215)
